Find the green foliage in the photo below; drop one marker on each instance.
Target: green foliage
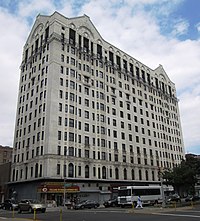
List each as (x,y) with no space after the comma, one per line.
(183,177)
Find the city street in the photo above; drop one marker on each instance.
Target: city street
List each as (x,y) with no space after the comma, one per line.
(110,214)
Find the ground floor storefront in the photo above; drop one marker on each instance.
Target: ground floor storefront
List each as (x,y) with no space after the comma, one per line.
(57,192)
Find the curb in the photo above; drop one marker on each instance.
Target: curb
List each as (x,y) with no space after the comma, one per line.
(158,210)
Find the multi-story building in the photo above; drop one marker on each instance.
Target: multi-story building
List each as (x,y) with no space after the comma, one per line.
(89,115)
(5,154)
(5,166)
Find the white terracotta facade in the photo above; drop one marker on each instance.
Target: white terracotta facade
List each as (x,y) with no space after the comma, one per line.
(88,111)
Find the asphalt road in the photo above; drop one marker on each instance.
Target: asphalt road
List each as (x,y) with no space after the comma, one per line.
(109,214)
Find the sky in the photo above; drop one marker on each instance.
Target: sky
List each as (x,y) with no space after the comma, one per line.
(152,31)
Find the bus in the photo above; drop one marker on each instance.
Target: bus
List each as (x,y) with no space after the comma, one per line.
(150,195)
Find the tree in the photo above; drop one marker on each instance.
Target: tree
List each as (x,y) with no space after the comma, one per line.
(183,176)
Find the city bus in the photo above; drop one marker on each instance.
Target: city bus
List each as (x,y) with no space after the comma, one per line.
(150,195)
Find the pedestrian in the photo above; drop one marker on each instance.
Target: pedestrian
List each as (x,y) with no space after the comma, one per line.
(54,203)
(139,202)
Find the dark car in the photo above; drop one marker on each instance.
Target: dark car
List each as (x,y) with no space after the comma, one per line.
(10,204)
(86,204)
(192,198)
(111,202)
(30,205)
(174,198)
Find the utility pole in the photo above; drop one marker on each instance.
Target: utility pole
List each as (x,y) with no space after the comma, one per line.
(160,175)
(163,193)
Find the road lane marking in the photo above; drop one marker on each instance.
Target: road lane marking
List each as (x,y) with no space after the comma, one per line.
(179,215)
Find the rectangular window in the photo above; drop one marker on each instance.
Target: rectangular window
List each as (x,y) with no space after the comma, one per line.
(86,90)
(72,84)
(65,151)
(72,73)
(58,169)
(61,81)
(73,62)
(87,114)
(71,122)
(59,135)
(103,156)
(86,127)
(60,94)
(87,154)
(60,106)
(65,136)
(71,136)
(86,102)
(59,150)
(71,109)
(59,121)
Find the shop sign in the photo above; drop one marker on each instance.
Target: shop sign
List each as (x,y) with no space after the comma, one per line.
(72,189)
(44,189)
(56,188)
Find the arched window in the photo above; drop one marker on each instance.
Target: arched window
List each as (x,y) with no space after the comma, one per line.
(140,175)
(64,170)
(125,173)
(99,173)
(16,175)
(40,170)
(103,172)
(71,170)
(36,170)
(13,175)
(26,173)
(132,174)
(153,176)
(116,173)
(87,172)
(147,175)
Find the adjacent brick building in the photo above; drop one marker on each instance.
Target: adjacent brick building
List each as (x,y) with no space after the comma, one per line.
(5,168)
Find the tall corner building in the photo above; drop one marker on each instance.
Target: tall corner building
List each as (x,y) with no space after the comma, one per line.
(90,117)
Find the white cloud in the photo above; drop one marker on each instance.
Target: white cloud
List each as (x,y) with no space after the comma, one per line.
(180,27)
(34,7)
(198,27)
(190,109)
(13,32)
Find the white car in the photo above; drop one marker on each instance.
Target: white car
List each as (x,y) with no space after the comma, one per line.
(31,205)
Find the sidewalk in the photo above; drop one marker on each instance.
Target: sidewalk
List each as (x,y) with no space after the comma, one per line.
(150,210)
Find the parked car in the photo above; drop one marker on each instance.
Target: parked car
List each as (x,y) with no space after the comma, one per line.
(111,202)
(192,198)
(69,204)
(10,204)
(174,198)
(86,204)
(31,205)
